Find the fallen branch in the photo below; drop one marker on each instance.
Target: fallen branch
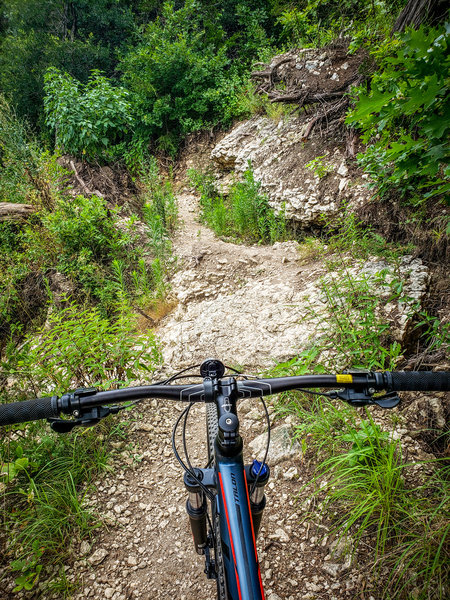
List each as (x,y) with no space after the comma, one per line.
(84,187)
(9,211)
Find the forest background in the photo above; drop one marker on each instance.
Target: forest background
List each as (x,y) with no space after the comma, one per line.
(124,83)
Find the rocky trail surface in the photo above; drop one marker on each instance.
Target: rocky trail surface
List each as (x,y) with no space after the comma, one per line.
(238,303)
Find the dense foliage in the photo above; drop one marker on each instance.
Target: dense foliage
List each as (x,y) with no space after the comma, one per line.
(120,80)
(405,115)
(89,119)
(75,36)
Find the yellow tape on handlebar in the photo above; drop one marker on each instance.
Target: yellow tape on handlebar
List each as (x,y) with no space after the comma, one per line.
(344,379)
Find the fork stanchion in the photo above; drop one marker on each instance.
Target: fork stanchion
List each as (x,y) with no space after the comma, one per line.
(260,473)
(196,509)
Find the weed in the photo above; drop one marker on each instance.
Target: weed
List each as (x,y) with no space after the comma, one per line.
(251,103)
(61,586)
(350,326)
(44,505)
(79,347)
(367,480)
(319,167)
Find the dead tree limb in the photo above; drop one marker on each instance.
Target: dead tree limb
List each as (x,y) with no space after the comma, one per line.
(9,211)
(84,187)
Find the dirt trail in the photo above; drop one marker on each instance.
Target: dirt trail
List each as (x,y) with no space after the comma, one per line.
(240,303)
(146,552)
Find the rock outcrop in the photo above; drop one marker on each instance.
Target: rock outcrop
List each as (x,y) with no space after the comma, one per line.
(279,156)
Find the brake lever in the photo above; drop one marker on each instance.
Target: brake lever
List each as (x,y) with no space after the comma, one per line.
(86,419)
(387,401)
(365,397)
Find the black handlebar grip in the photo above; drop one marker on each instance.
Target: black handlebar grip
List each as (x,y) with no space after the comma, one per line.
(426,381)
(28,410)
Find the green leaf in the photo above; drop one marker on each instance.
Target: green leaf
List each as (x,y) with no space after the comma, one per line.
(369,104)
(21,463)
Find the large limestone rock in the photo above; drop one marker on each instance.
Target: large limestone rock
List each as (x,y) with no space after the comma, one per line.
(271,319)
(278,154)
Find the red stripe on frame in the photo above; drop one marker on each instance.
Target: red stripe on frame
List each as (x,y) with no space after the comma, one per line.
(231,539)
(254,539)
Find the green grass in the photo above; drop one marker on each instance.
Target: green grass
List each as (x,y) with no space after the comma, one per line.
(244,215)
(394,512)
(43,508)
(45,477)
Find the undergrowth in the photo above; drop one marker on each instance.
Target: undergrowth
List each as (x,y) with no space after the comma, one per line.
(391,513)
(244,214)
(73,275)
(45,477)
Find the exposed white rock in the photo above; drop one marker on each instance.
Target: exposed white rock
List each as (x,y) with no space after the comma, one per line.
(278,154)
(281,445)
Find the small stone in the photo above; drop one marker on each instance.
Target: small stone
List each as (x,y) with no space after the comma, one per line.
(342,170)
(84,548)
(331,568)
(132,561)
(98,556)
(281,445)
(109,592)
(291,473)
(281,535)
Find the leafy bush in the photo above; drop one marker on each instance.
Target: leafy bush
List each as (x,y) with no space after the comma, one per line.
(75,37)
(78,347)
(184,73)
(404,116)
(87,119)
(89,240)
(174,76)
(86,224)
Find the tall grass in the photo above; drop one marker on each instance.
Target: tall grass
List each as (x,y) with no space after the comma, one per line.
(245,214)
(394,513)
(44,477)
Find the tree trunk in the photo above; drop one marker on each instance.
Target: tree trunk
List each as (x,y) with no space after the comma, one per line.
(417,12)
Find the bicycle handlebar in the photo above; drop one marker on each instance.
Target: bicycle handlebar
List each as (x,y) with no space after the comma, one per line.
(426,381)
(29,410)
(84,399)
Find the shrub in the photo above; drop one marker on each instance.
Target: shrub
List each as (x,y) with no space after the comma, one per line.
(245,213)
(89,119)
(19,157)
(89,240)
(79,347)
(404,115)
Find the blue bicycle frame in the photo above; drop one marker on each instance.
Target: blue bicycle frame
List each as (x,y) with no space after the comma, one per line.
(242,572)
(238,528)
